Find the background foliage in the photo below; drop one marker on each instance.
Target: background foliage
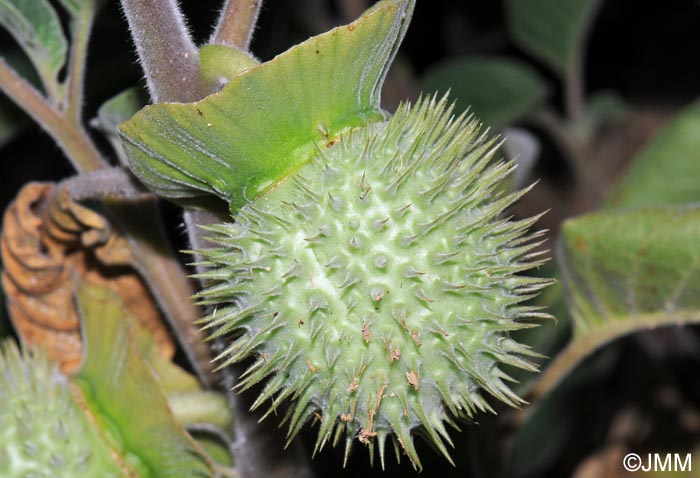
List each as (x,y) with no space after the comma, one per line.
(606,93)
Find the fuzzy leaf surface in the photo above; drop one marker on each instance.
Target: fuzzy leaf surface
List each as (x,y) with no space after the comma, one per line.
(667,170)
(554,31)
(638,266)
(624,271)
(497,90)
(126,397)
(35,26)
(268,121)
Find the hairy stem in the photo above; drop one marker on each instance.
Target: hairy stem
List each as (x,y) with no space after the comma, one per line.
(167,53)
(69,134)
(236,23)
(77,60)
(113,183)
(172,71)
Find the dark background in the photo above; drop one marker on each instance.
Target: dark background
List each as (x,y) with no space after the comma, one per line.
(647,52)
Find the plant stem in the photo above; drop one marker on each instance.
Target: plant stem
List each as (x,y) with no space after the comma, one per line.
(115,183)
(168,55)
(574,90)
(584,345)
(259,448)
(156,263)
(236,23)
(153,259)
(573,152)
(76,63)
(69,134)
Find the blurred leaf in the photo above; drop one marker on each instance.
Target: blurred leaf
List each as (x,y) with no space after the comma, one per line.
(120,108)
(553,30)
(667,170)
(171,377)
(624,271)
(498,91)
(37,29)
(201,406)
(115,111)
(629,269)
(269,120)
(125,396)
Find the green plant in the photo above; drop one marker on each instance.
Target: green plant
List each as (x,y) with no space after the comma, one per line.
(360,269)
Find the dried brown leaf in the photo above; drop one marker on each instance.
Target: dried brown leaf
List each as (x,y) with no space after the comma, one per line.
(49,244)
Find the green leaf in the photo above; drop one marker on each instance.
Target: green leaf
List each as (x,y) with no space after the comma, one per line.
(37,29)
(667,170)
(119,108)
(553,30)
(116,110)
(125,396)
(498,90)
(641,265)
(625,271)
(268,121)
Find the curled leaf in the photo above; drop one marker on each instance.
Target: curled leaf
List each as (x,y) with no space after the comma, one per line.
(48,243)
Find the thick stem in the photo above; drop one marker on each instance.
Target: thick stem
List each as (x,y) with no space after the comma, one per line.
(77,61)
(236,23)
(168,55)
(70,135)
(115,183)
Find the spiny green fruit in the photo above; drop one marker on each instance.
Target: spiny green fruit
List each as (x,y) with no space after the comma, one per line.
(43,431)
(377,286)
